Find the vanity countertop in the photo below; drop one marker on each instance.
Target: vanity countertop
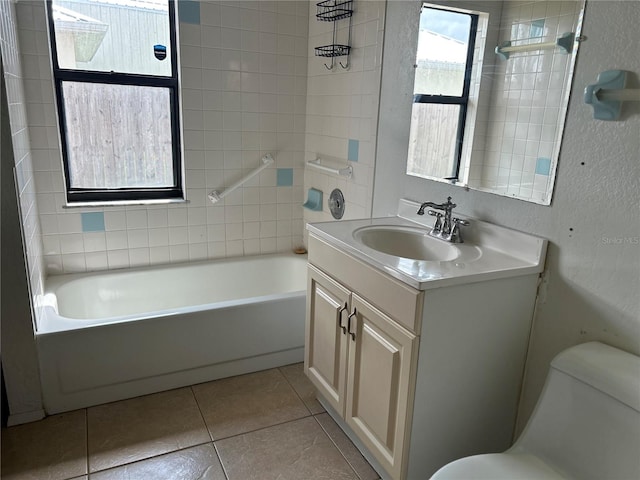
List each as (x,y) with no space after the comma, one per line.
(488,252)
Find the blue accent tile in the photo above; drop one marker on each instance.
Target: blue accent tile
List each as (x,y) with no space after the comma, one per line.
(354,147)
(189,11)
(285,177)
(543,166)
(92,222)
(537,28)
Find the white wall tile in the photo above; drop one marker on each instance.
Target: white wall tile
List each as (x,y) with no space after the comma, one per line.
(116,240)
(115,220)
(96,261)
(158,237)
(198,251)
(177,217)
(118,258)
(136,219)
(71,243)
(179,253)
(138,238)
(74,262)
(159,255)
(178,236)
(69,223)
(237,67)
(139,257)
(234,248)
(95,242)
(156,218)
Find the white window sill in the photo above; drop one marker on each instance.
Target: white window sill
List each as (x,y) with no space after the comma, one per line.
(122,203)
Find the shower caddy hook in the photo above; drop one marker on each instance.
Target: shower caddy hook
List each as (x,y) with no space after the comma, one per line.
(332,11)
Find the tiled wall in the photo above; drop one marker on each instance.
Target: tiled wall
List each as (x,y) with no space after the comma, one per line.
(244,80)
(19,361)
(528,89)
(19,92)
(342,109)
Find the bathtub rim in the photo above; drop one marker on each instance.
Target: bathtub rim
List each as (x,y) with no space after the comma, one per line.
(51,322)
(57,324)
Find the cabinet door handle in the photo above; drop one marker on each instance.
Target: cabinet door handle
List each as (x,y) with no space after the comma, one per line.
(343,327)
(352,315)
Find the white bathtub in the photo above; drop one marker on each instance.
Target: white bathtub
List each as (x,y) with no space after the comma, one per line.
(115,335)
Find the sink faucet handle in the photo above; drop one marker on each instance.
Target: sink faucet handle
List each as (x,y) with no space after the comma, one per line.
(456,236)
(449,205)
(437,226)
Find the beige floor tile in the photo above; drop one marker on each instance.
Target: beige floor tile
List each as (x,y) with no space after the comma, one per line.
(195,463)
(236,405)
(52,449)
(347,448)
(290,451)
(143,427)
(303,386)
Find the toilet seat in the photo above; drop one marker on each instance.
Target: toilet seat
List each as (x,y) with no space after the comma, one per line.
(498,466)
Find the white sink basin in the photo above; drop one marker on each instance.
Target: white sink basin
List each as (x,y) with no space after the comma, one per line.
(400,246)
(406,242)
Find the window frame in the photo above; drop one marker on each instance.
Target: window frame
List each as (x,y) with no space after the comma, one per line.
(124,194)
(463,99)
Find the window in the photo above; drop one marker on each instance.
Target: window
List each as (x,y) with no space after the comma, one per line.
(441,91)
(116,81)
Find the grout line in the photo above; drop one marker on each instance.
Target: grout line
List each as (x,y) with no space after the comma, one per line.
(211,439)
(263,428)
(195,397)
(338,448)
(260,428)
(224,470)
(152,457)
(86,433)
(294,388)
(335,445)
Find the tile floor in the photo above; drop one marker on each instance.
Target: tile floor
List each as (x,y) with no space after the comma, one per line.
(265,425)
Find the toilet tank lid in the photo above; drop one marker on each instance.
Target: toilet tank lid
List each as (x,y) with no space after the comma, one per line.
(605,368)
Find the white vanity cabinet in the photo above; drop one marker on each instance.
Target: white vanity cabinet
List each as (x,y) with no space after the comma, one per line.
(416,378)
(361,361)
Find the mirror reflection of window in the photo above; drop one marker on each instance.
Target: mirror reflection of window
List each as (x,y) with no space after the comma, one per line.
(441,91)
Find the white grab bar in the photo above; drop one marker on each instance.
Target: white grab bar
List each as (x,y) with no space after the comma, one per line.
(216,196)
(619,95)
(564,42)
(343,172)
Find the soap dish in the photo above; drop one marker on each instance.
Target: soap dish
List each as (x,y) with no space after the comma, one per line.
(314,200)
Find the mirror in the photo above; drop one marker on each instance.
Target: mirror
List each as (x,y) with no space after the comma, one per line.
(490,93)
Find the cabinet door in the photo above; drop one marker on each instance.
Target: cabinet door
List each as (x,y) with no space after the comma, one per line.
(326,337)
(381,384)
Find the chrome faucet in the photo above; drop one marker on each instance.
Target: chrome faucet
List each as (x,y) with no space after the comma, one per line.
(447,229)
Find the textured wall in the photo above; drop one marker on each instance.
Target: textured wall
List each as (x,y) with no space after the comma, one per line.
(592,278)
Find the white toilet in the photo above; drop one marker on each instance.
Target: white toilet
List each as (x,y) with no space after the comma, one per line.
(585,426)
